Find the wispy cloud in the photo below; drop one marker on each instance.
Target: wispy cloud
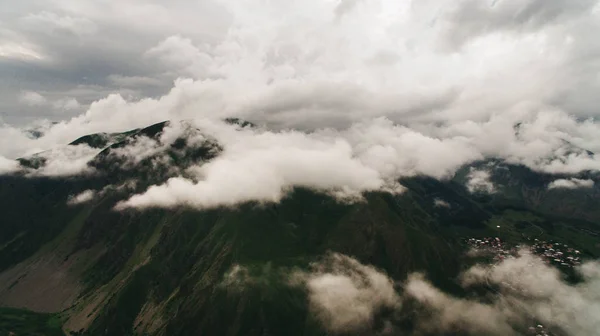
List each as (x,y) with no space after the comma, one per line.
(345,295)
(572,183)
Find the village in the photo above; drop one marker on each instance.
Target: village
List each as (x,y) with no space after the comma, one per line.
(554,253)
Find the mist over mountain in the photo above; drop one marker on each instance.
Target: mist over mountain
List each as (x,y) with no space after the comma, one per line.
(317,167)
(147,237)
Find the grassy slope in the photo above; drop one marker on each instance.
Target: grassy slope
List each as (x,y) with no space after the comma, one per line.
(195,249)
(19,322)
(160,271)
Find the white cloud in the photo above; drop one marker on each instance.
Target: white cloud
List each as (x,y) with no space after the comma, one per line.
(479,181)
(529,290)
(572,183)
(65,161)
(32,98)
(180,54)
(19,51)
(83,197)
(345,295)
(67,104)
(397,151)
(263,166)
(449,312)
(440,203)
(8,166)
(237,277)
(401,104)
(143,147)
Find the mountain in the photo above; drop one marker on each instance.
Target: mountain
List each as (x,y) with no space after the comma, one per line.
(91,270)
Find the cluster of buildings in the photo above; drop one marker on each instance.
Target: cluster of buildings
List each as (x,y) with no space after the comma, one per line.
(493,245)
(554,253)
(557,253)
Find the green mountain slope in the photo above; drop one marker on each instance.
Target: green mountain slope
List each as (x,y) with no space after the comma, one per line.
(168,272)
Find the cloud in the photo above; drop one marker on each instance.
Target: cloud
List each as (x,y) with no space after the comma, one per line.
(263,166)
(133,81)
(141,147)
(346,6)
(471,19)
(572,183)
(363,157)
(19,51)
(529,291)
(64,161)
(33,98)
(479,181)
(438,109)
(398,151)
(450,313)
(345,295)
(48,22)
(66,104)
(440,203)
(258,55)
(237,277)
(83,197)
(179,53)
(8,166)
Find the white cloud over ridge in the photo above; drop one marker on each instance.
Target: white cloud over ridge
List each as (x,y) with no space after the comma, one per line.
(262,166)
(384,88)
(572,183)
(479,181)
(83,197)
(65,161)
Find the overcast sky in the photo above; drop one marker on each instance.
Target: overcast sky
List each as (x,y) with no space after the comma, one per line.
(464,70)
(56,52)
(58,56)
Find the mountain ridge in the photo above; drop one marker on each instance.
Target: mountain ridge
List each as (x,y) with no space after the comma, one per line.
(161,271)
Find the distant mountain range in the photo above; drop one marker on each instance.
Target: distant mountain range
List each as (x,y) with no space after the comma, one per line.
(91,270)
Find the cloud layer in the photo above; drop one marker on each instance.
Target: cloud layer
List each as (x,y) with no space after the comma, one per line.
(529,291)
(345,295)
(572,183)
(83,197)
(352,95)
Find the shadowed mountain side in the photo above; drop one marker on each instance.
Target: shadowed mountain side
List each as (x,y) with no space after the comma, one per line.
(168,272)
